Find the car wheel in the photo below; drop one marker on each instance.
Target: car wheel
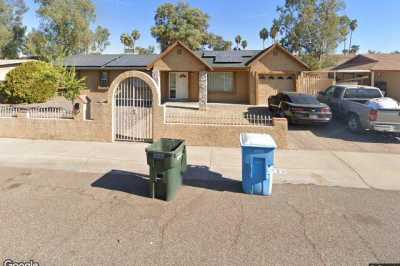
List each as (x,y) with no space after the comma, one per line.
(353,123)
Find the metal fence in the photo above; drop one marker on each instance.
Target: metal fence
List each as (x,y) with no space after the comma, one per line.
(48,113)
(218,119)
(9,111)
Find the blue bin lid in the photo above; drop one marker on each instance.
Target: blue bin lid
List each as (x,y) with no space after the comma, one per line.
(257,140)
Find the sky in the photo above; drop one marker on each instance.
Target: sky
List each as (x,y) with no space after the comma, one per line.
(379,21)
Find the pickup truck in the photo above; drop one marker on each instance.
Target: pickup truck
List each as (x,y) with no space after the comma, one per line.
(350,102)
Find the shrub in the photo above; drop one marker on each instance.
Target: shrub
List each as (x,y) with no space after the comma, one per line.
(32,82)
(70,84)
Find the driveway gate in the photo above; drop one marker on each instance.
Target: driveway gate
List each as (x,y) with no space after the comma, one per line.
(132,112)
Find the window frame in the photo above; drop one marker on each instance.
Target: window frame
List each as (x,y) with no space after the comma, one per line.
(171,88)
(219,90)
(107,78)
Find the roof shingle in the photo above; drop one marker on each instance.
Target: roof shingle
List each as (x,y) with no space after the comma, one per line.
(213,58)
(217,59)
(374,62)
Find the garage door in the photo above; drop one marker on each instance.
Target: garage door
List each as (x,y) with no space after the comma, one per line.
(272,84)
(280,83)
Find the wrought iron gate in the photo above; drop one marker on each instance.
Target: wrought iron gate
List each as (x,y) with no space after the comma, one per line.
(132,114)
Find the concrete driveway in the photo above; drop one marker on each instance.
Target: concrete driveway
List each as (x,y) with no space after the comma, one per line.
(336,137)
(79,203)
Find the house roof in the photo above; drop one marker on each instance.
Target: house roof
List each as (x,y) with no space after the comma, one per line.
(376,62)
(108,60)
(271,48)
(131,60)
(228,59)
(212,59)
(171,47)
(89,60)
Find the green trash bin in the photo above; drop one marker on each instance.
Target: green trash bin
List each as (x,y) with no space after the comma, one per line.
(167,160)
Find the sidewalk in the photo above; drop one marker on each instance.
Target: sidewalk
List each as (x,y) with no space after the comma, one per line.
(324,168)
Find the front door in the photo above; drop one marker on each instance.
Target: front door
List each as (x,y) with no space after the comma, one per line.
(178,85)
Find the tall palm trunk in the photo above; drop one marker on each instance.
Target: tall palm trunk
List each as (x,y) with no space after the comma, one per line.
(351,36)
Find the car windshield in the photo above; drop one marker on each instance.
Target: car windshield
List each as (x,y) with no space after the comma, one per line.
(304,99)
(362,93)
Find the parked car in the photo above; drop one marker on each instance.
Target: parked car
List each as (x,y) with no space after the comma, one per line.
(299,108)
(353,104)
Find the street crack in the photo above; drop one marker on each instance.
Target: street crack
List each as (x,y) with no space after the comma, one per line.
(306,236)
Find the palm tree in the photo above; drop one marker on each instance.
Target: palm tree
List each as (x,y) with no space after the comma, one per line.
(353,27)
(126,40)
(227,45)
(129,40)
(244,44)
(238,40)
(135,35)
(354,49)
(264,34)
(344,28)
(274,31)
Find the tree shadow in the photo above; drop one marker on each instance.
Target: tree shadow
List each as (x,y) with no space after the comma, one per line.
(138,184)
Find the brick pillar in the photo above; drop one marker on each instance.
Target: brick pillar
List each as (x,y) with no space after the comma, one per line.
(203,90)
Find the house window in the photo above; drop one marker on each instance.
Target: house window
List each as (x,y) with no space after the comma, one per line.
(220,81)
(172,85)
(104,79)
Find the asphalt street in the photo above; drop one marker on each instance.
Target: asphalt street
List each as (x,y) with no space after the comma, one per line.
(72,203)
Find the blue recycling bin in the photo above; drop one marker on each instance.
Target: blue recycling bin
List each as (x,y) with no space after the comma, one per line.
(258,158)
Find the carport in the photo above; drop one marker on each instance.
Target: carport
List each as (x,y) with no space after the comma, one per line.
(360,77)
(379,70)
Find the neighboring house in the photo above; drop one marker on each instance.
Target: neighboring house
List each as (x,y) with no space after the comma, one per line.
(381,70)
(8,65)
(245,76)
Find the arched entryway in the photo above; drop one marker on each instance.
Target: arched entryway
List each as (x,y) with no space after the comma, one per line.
(133,97)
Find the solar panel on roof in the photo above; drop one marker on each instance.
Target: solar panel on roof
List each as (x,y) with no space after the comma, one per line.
(228,59)
(240,53)
(132,60)
(89,60)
